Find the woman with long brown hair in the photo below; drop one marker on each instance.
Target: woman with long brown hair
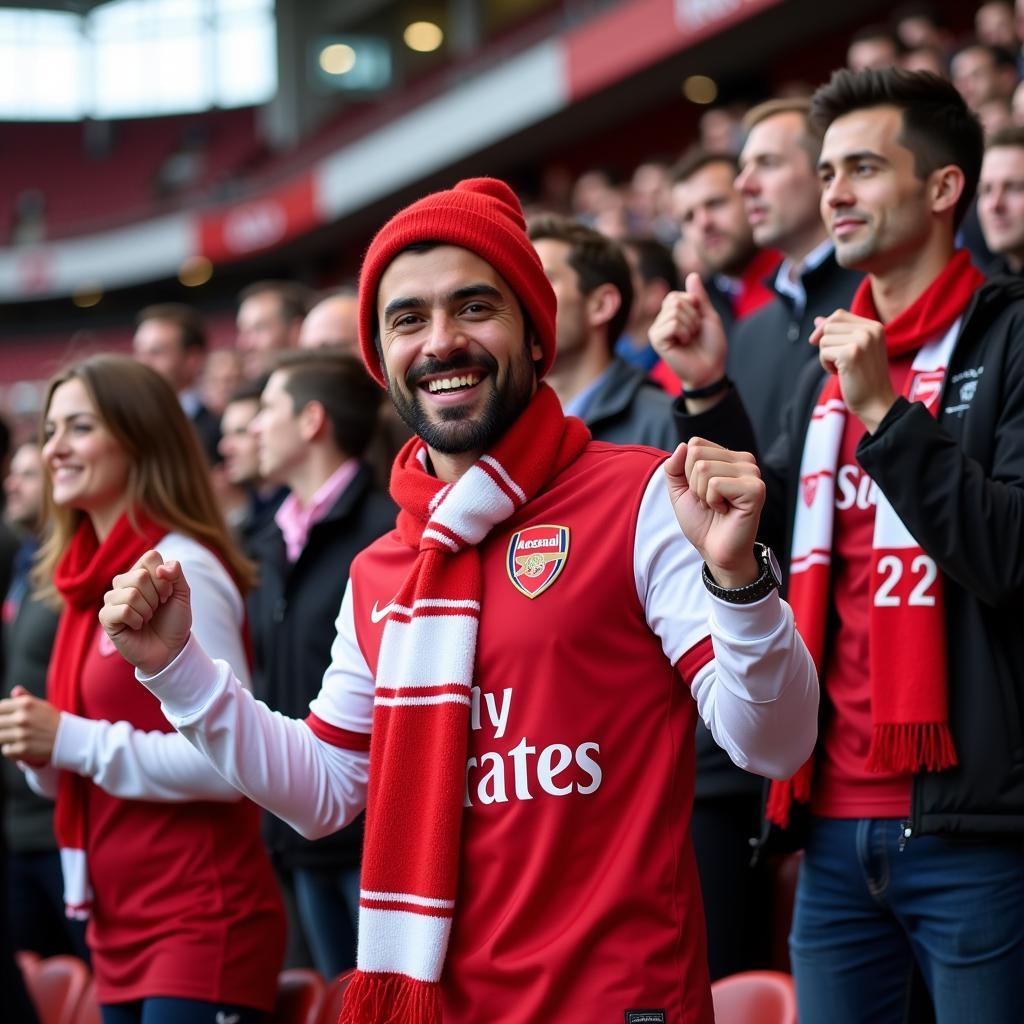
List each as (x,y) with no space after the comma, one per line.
(160,853)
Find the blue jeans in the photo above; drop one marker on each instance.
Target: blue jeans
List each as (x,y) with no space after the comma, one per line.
(865,911)
(159,1010)
(328,903)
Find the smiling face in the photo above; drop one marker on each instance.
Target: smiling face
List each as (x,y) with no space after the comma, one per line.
(875,206)
(712,218)
(88,467)
(458,365)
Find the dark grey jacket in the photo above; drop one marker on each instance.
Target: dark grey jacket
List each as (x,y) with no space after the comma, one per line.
(629,408)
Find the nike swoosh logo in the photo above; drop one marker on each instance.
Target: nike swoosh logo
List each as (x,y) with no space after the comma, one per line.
(376,614)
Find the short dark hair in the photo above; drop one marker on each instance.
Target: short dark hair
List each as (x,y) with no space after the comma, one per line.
(295,298)
(696,158)
(185,318)
(596,258)
(938,128)
(1012,137)
(654,260)
(339,382)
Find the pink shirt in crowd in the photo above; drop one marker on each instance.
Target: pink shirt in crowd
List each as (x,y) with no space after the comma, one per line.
(295,520)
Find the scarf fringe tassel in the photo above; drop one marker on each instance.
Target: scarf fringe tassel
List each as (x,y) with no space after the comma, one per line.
(782,794)
(911,747)
(373,998)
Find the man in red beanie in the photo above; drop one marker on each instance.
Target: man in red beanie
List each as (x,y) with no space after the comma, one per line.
(530,648)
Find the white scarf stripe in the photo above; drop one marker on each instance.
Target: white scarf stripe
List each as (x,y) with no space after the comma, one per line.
(406,897)
(402,942)
(509,482)
(443,538)
(444,602)
(472,507)
(411,702)
(428,650)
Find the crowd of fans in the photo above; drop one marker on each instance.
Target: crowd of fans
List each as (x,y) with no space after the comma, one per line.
(292,449)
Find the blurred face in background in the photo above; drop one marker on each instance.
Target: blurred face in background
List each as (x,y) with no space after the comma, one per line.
(1001,202)
(712,217)
(238,447)
(222,377)
(333,323)
(879,52)
(158,345)
(24,488)
(994,23)
(263,330)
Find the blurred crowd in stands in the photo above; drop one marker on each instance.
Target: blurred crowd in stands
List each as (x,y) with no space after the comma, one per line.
(299,444)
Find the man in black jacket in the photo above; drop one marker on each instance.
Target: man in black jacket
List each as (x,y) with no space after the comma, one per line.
(779,182)
(318,413)
(913,807)
(594,289)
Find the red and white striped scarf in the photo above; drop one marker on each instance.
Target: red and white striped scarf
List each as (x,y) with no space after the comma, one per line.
(906,624)
(421,709)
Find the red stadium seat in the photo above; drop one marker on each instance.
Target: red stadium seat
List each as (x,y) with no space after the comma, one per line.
(755,997)
(330,1011)
(56,986)
(300,993)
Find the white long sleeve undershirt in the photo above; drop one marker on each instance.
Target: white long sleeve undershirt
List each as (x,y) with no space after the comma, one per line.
(759,695)
(159,766)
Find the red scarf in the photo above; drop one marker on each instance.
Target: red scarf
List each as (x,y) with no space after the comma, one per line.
(906,634)
(83,576)
(421,709)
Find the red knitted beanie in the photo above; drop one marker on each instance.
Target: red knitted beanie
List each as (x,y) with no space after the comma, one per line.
(479,214)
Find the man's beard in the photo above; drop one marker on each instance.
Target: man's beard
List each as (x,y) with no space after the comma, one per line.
(456,432)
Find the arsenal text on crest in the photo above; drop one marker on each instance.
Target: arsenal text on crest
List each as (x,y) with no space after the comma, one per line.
(536,557)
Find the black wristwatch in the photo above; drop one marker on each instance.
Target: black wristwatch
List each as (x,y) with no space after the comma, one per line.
(769,580)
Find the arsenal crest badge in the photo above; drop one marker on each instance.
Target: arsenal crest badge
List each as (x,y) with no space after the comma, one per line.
(535,558)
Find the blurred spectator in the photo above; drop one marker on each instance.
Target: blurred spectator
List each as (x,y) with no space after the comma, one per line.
(926,58)
(317,415)
(171,339)
(1001,200)
(270,314)
(995,25)
(712,218)
(981,72)
(222,377)
(593,194)
(594,290)
(35,894)
(184,167)
(874,46)
(1017,105)
(332,323)
(919,25)
(28,217)
(650,203)
(720,129)
(653,273)
(252,502)
(995,115)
